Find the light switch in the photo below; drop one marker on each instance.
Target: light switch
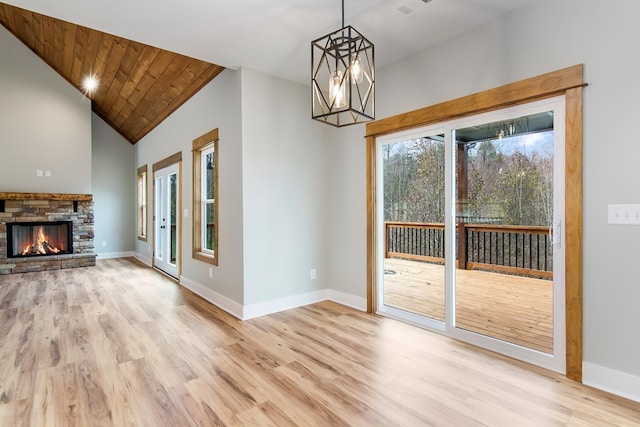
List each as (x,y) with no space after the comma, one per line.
(624,214)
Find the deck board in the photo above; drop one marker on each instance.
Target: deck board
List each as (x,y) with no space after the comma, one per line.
(511,308)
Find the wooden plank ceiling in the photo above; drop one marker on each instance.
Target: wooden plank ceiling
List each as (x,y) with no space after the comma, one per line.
(139,85)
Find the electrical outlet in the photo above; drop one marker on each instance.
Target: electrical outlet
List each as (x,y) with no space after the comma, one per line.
(47,174)
(104,243)
(39,172)
(312,274)
(210,272)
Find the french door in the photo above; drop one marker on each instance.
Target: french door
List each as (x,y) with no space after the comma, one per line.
(469,230)
(166,220)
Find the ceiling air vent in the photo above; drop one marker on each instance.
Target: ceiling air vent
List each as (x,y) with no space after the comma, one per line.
(408,7)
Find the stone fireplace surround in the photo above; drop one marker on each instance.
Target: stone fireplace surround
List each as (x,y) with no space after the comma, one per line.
(32,207)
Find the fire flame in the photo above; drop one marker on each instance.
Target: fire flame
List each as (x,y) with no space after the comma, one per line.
(41,246)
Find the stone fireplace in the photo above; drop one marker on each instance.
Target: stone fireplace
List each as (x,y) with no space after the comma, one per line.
(45,232)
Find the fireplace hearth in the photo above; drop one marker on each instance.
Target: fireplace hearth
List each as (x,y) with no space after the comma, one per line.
(27,239)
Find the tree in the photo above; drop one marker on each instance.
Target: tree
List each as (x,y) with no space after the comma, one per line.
(505,185)
(398,170)
(426,192)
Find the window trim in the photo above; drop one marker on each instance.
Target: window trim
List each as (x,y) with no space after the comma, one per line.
(199,146)
(142,209)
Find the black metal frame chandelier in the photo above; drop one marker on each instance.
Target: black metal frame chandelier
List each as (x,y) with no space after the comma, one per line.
(342,77)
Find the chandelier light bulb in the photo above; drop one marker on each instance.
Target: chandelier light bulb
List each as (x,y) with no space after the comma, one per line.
(337,96)
(357,74)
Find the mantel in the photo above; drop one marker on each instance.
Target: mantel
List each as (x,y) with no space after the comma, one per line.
(46,196)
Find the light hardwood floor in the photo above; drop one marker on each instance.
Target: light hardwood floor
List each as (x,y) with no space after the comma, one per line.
(119,344)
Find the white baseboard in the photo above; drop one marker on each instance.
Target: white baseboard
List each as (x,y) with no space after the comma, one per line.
(251,311)
(281,304)
(350,300)
(108,255)
(142,259)
(215,298)
(287,303)
(612,381)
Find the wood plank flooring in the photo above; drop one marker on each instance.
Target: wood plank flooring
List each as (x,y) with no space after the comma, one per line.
(511,308)
(121,345)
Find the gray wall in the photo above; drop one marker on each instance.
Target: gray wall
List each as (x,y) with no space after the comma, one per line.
(114,185)
(217,105)
(45,124)
(272,201)
(285,167)
(544,36)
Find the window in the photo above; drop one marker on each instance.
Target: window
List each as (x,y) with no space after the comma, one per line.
(205,197)
(142,203)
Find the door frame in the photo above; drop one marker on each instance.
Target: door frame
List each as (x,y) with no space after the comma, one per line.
(168,161)
(568,82)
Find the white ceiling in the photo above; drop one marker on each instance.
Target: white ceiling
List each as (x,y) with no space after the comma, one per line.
(273,36)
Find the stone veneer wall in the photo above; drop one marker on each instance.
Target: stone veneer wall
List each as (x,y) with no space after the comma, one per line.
(33,207)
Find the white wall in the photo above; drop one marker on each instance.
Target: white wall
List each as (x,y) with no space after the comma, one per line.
(217,105)
(545,36)
(45,124)
(285,175)
(114,184)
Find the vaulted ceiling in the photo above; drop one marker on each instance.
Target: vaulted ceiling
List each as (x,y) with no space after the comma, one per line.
(139,85)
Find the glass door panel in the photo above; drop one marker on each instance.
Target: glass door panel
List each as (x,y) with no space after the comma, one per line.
(173,203)
(504,211)
(159,223)
(412,186)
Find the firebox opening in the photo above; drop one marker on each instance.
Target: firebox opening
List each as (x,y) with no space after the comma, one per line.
(28,239)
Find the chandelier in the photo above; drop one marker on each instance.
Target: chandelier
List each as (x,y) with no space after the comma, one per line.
(342,77)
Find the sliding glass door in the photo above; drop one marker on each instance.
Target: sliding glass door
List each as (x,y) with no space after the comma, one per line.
(470,216)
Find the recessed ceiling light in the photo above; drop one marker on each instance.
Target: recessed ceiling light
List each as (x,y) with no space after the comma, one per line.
(90,84)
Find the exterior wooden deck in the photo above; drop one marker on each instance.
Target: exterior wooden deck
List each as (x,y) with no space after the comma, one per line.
(511,308)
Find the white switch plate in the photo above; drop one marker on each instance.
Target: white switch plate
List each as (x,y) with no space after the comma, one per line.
(624,214)
(312,274)
(39,172)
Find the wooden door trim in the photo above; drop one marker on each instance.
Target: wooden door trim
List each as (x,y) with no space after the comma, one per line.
(568,82)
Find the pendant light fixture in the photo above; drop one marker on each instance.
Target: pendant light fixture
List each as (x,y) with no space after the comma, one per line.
(342,77)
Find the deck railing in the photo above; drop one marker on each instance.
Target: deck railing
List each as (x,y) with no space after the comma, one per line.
(523,250)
